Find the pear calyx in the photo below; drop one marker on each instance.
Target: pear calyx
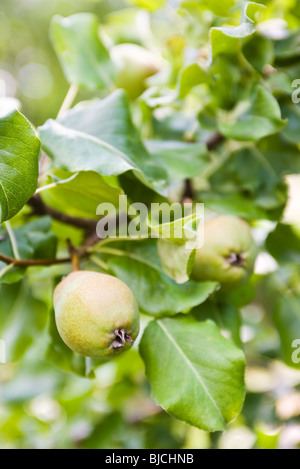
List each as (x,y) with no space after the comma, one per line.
(121,338)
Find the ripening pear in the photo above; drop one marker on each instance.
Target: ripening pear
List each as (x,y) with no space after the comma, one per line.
(96,314)
(134,65)
(228,253)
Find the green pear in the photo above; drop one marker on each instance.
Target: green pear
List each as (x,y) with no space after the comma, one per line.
(134,65)
(96,314)
(228,253)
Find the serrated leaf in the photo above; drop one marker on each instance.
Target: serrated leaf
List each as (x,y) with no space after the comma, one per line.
(19,153)
(101,137)
(195,373)
(83,57)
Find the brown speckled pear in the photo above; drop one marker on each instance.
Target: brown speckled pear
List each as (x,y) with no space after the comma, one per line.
(96,314)
(228,253)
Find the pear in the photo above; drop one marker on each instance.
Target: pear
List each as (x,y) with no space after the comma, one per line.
(228,253)
(134,64)
(96,314)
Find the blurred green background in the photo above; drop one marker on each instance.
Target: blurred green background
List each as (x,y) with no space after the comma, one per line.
(28,65)
(43,407)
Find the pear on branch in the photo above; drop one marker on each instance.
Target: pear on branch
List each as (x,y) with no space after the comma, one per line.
(96,314)
(228,253)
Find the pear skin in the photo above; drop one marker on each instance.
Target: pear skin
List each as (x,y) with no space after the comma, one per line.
(96,314)
(228,253)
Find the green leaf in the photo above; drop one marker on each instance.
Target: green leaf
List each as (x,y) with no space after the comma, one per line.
(83,57)
(191,76)
(195,373)
(221,310)
(291,132)
(273,148)
(177,260)
(250,11)
(227,88)
(287,320)
(179,231)
(234,203)
(34,241)
(151,5)
(181,160)
(259,52)
(22,318)
(156,293)
(287,48)
(101,137)
(229,40)
(218,8)
(31,380)
(262,118)
(19,153)
(250,181)
(284,244)
(80,194)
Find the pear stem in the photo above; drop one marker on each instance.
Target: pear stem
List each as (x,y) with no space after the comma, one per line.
(74,255)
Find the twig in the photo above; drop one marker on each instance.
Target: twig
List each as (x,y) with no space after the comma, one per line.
(39,208)
(188,193)
(32,262)
(81,252)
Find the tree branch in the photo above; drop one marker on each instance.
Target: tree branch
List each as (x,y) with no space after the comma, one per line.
(32,262)
(39,208)
(81,252)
